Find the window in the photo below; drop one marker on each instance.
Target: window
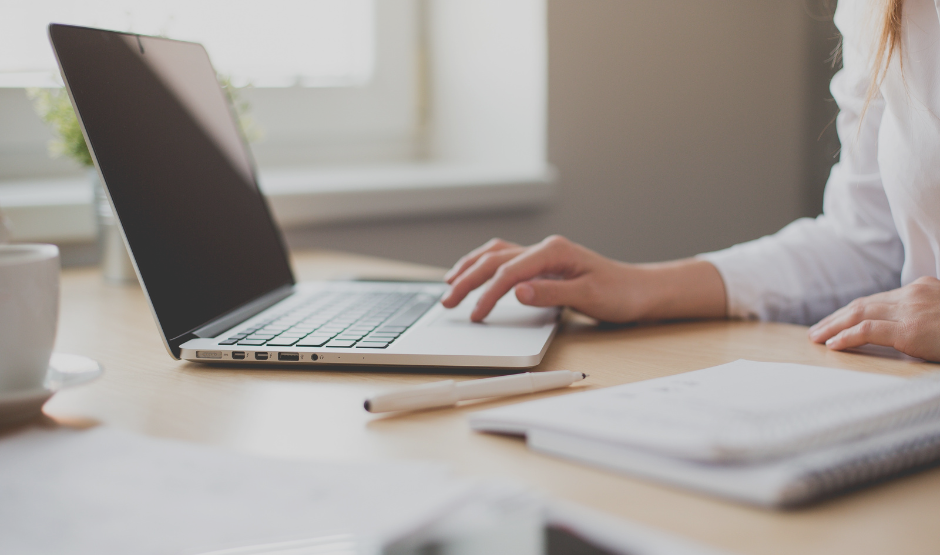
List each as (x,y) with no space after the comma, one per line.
(417,106)
(309,43)
(333,81)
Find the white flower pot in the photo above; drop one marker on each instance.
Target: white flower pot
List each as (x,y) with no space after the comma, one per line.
(116,265)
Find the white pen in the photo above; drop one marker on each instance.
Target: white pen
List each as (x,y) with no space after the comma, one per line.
(449,392)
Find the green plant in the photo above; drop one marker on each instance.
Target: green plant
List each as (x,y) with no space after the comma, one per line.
(242,107)
(55,108)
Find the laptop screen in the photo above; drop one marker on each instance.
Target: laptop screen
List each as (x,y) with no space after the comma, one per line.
(178,171)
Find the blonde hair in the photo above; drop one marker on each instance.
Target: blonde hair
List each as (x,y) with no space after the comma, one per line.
(889,43)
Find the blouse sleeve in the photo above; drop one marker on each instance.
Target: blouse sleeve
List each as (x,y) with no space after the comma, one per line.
(812,267)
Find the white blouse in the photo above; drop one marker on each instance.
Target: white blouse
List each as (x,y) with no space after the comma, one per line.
(880,227)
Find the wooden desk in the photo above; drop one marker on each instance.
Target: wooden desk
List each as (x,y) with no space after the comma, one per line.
(317,414)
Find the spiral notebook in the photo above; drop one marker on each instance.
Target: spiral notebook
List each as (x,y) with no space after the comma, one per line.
(772,434)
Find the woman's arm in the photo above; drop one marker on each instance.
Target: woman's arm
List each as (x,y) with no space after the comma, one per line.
(801,274)
(557,272)
(814,267)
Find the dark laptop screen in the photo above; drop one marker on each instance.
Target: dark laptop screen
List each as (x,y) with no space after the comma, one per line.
(178,171)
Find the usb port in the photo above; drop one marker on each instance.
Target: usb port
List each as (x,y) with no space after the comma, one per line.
(289,356)
(238,355)
(261,356)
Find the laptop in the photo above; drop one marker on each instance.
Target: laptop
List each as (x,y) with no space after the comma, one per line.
(207,252)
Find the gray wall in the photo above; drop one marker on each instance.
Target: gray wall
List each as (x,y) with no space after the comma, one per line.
(677,126)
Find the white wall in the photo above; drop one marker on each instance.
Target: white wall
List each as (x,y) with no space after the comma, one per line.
(488,70)
(677,126)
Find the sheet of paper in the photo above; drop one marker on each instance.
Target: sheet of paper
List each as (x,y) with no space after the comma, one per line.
(683,414)
(106,491)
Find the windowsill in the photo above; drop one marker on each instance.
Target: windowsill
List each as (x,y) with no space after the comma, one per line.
(60,210)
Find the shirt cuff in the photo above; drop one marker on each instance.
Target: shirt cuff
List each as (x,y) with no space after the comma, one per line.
(742,288)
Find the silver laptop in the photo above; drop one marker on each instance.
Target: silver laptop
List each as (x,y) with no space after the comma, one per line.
(208,254)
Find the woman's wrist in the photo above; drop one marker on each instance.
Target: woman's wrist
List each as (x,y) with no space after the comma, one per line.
(681,289)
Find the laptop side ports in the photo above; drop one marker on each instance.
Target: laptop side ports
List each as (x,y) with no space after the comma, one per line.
(238,355)
(261,356)
(290,357)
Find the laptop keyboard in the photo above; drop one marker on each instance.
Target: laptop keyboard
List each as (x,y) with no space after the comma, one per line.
(339,319)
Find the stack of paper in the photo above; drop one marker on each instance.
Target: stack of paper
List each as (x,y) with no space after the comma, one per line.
(766,433)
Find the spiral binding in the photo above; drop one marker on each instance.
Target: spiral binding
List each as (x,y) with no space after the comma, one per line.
(865,467)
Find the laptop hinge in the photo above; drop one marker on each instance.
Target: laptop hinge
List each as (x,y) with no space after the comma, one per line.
(233,318)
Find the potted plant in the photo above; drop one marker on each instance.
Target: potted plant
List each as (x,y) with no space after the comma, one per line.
(55,108)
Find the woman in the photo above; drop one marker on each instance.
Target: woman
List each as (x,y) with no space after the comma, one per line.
(865,271)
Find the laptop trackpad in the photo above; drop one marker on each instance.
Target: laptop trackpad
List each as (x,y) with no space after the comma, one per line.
(508,312)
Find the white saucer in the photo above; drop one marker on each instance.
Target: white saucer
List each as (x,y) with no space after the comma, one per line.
(64,371)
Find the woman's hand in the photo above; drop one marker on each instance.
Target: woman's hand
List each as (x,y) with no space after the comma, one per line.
(907,319)
(557,272)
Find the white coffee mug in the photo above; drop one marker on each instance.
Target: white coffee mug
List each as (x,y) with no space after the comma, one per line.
(29,314)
